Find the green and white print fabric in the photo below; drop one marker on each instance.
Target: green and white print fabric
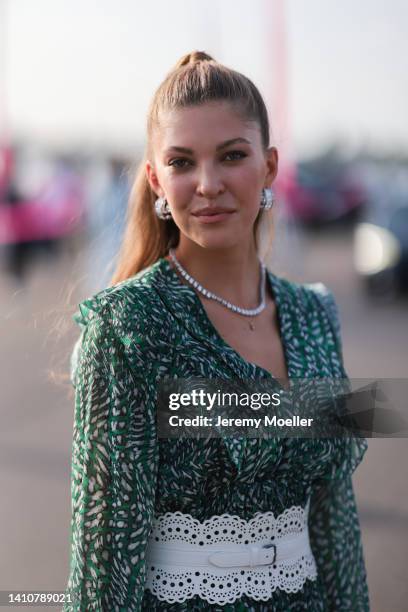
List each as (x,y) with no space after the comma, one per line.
(123,476)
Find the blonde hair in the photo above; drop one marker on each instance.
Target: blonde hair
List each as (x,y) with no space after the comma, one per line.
(196,79)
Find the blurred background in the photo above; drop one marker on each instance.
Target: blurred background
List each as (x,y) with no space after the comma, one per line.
(75,81)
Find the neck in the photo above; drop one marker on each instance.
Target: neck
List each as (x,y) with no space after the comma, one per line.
(233,273)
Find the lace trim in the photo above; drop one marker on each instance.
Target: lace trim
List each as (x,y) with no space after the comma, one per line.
(226,585)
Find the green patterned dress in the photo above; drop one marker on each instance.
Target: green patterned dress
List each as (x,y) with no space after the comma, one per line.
(123,476)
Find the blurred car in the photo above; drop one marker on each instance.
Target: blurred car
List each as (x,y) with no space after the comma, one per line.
(55,211)
(321,193)
(381,248)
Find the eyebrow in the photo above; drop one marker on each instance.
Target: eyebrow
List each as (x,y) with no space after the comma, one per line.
(223,145)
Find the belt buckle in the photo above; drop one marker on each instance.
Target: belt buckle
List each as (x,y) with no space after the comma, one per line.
(252,555)
(267,547)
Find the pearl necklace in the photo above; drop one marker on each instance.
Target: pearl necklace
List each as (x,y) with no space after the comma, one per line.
(247,312)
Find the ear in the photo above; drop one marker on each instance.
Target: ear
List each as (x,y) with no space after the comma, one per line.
(153,179)
(271,159)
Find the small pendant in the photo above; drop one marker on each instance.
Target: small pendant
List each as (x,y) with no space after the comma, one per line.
(251,326)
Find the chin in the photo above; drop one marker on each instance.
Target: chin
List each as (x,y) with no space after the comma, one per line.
(216,242)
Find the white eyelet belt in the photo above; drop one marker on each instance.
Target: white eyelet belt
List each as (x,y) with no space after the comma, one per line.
(225,557)
(228,555)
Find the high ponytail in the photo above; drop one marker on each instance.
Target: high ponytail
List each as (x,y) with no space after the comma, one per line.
(193,58)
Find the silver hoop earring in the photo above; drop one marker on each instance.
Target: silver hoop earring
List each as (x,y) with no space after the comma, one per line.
(267,199)
(162,208)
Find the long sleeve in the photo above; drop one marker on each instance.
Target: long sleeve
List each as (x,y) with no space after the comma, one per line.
(334,526)
(336,544)
(113,476)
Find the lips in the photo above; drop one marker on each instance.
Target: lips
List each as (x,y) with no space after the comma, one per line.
(209,212)
(212,215)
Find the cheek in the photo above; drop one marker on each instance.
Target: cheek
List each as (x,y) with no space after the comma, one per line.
(178,190)
(248,188)
(249,177)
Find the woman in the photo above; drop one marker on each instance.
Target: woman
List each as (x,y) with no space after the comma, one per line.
(190,298)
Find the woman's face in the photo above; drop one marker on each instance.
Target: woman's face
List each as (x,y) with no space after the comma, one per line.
(210,166)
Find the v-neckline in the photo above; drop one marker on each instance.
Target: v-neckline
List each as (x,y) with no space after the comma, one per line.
(214,335)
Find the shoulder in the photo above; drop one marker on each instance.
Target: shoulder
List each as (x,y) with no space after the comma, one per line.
(324,298)
(315,300)
(310,295)
(119,320)
(130,299)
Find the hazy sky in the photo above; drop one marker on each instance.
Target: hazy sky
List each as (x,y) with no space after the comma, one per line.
(83,71)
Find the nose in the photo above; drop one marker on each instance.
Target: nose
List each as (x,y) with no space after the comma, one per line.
(209,184)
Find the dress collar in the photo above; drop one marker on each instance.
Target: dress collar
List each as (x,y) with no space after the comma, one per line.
(185,305)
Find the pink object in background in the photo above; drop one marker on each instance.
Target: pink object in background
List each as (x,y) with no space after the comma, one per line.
(56,212)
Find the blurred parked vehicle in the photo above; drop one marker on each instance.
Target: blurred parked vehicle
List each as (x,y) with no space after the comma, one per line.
(324,190)
(54,213)
(39,221)
(381,247)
